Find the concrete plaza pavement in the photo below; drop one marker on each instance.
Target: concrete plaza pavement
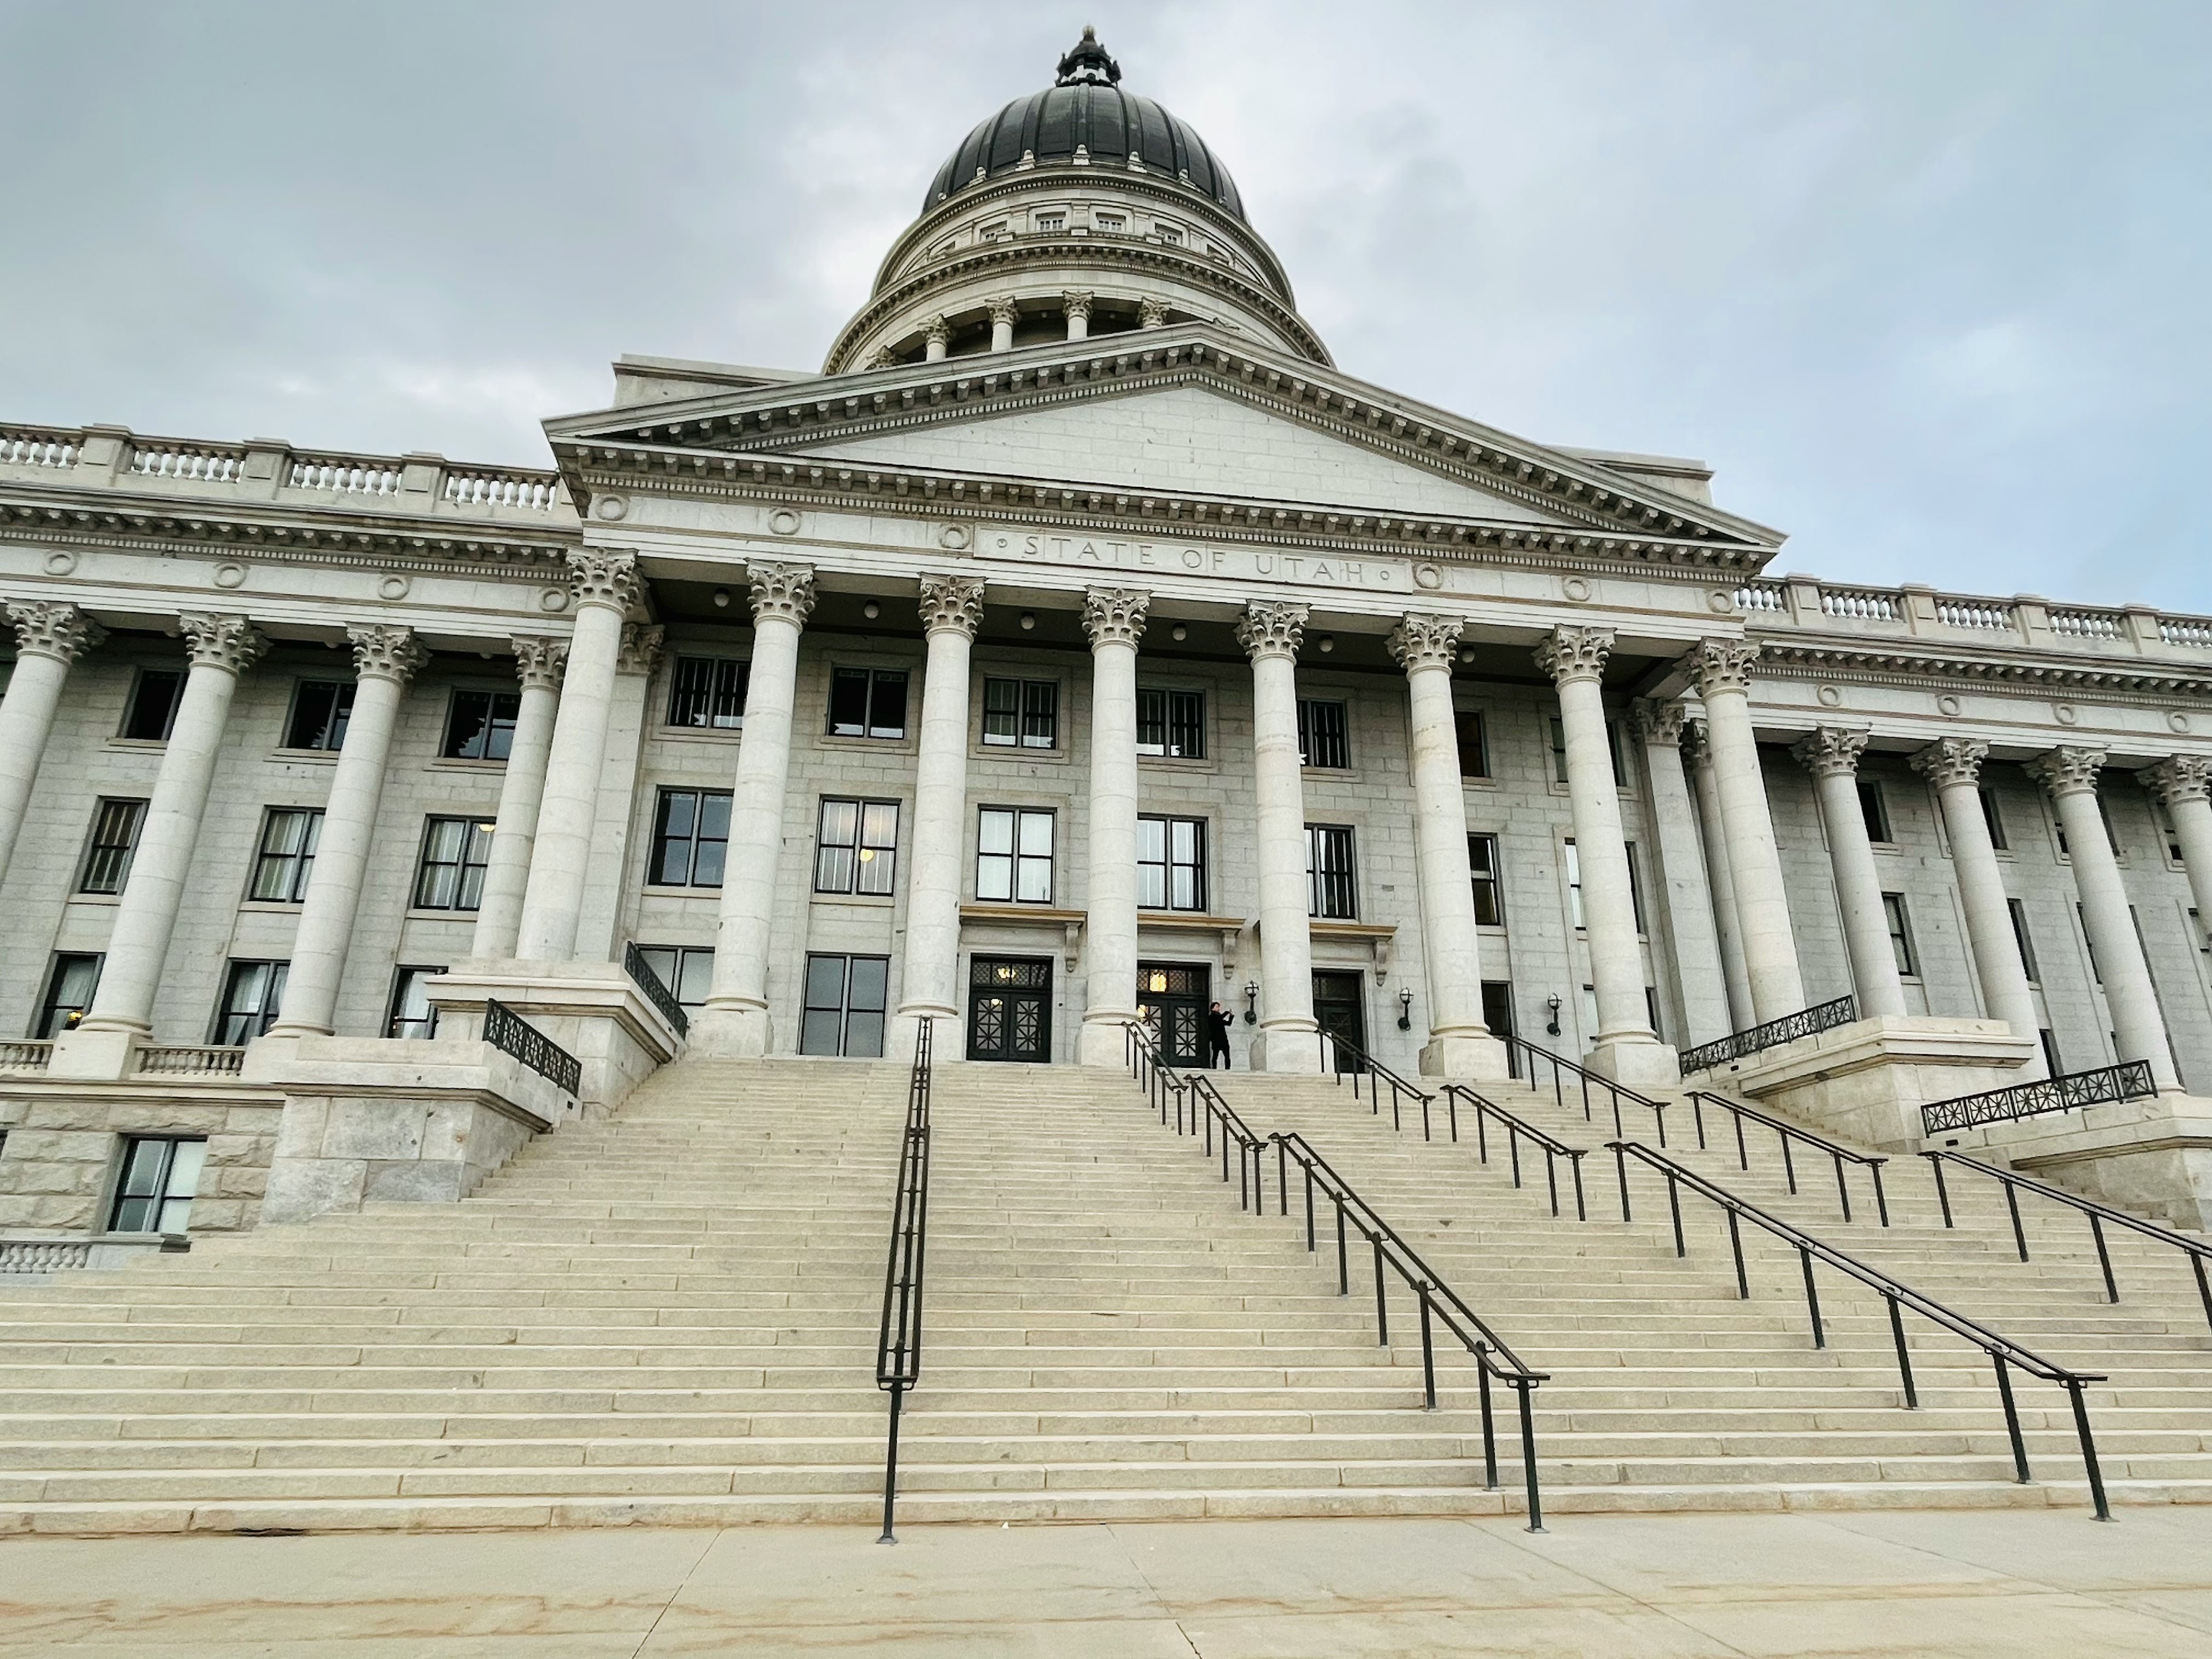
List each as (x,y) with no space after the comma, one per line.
(1955,1583)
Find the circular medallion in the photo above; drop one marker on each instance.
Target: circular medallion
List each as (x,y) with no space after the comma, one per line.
(393,587)
(1722,604)
(60,564)
(230,575)
(2065,713)
(1947,704)
(611,507)
(553,599)
(2179,722)
(1430,576)
(783,522)
(955,538)
(1830,697)
(1576,589)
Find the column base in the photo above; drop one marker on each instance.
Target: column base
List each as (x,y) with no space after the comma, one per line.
(1867,1081)
(1292,1048)
(97,1053)
(1103,1040)
(729,1030)
(1476,1059)
(1642,1063)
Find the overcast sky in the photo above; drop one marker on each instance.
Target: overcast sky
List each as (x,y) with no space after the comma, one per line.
(1927,283)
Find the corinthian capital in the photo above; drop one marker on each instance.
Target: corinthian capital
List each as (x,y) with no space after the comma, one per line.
(1115,615)
(386,653)
(1424,640)
(782,592)
(1830,752)
(2067,770)
(1272,627)
(1006,310)
(1950,761)
(1575,654)
(1079,304)
(1723,665)
(1697,743)
(539,661)
(232,643)
(2183,777)
(639,650)
(1659,723)
(952,603)
(597,576)
(53,627)
(1151,314)
(937,331)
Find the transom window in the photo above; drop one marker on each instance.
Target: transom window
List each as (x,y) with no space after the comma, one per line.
(1021,714)
(411,1014)
(690,835)
(154,1194)
(75,976)
(1171,864)
(1473,734)
(708,693)
(844,1009)
(320,710)
(252,995)
(867,703)
(1332,889)
(287,857)
(1489,892)
(152,709)
(1322,736)
(1171,724)
(480,725)
(455,854)
(856,847)
(115,826)
(1013,856)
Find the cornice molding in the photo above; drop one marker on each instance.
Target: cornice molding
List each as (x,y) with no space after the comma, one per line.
(1888,665)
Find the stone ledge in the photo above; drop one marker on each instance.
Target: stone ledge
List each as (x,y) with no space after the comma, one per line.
(2153,1155)
(1867,1081)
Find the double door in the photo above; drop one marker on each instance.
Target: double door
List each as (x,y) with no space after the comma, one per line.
(1172,1001)
(1340,1011)
(1010,1008)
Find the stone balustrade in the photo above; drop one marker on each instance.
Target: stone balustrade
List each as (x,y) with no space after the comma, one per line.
(2025,619)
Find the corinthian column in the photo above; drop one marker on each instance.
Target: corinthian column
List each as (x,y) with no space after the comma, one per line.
(538,662)
(49,637)
(1626,1048)
(1270,633)
(929,983)
(734,1022)
(2069,775)
(1460,1044)
(1698,759)
(1114,617)
(1721,670)
(2184,785)
(1954,765)
(1005,310)
(604,584)
(1832,754)
(1689,900)
(384,659)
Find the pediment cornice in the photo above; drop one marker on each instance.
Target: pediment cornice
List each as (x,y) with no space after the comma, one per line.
(1907,666)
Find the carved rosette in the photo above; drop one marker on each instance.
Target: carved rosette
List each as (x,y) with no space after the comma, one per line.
(1424,639)
(1115,615)
(2067,770)
(539,661)
(381,652)
(1951,760)
(951,604)
(1830,752)
(231,643)
(53,629)
(639,650)
(1719,665)
(1659,723)
(1079,304)
(2183,777)
(1004,309)
(1151,314)
(596,576)
(781,592)
(1272,627)
(1575,654)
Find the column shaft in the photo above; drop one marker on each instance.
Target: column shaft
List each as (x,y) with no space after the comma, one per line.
(1720,875)
(1690,904)
(1762,896)
(49,637)
(1832,754)
(1114,619)
(929,979)
(507,873)
(1271,634)
(1953,766)
(2184,783)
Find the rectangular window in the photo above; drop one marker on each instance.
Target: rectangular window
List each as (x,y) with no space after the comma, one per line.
(2088,944)
(455,852)
(844,1011)
(856,847)
(1635,886)
(154,1195)
(1900,933)
(2051,1052)
(287,859)
(867,703)
(690,834)
(1051,222)
(1170,864)
(1322,738)
(411,1014)
(480,725)
(1559,749)
(687,971)
(115,826)
(252,995)
(1574,884)
(152,709)
(1489,893)
(1874,809)
(1651,1012)
(2169,837)
(1473,734)
(708,693)
(1021,714)
(1331,886)
(2018,911)
(1013,856)
(320,710)
(1171,723)
(1613,754)
(69,985)
(1112,221)
(1993,818)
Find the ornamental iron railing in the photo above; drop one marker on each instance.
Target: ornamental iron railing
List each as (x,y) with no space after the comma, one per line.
(898,1338)
(2129,1080)
(1805,1022)
(656,989)
(509,1032)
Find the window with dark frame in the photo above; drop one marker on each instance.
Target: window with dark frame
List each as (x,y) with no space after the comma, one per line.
(856,847)
(154,1188)
(1900,934)
(320,710)
(253,997)
(1874,809)
(1559,749)
(2018,911)
(687,971)
(1324,739)
(1574,882)
(845,999)
(1634,887)
(1489,889)
(867,703)
(1021,714)
(1473,734)
(1013,856)
(411,1014)
(1993,818)
(2049,1040)
(1332,884)
(70,983)
(480,725)
(152,709)
(115,826)
(708,693)
(1170,724)
(2088,944)
(1170,863)
(690,838)
(287,857)
(456,853)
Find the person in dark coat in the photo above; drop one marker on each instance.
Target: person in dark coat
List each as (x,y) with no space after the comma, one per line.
(1216,1038)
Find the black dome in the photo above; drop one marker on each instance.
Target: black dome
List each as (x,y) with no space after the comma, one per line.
(1087,111)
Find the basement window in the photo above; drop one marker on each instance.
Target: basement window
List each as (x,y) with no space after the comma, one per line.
(159,1175)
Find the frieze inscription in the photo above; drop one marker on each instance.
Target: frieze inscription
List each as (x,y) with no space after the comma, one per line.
(1134,554)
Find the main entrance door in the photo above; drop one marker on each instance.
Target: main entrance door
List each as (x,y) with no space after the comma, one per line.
(1010,1008)
(1171,997)
(1338,1012)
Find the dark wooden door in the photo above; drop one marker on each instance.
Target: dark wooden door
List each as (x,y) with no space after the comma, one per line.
(1340,1012)
(1010,1008)
(1171,998)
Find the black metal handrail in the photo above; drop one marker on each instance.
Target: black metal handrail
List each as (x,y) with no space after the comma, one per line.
(1437,1301)
(1518,1047)
(2197,1252)
(1193,1106)
(898,1338)
(1788,1132)
(1805,1022)
(2002,1351)
(657,992)
(1376,1074)
(2129,1080)
(1517,1130)
(509,1033)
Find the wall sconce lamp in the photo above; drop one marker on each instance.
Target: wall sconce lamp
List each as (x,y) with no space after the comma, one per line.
(1552,1003)
(1406,1009)
(1251,1003)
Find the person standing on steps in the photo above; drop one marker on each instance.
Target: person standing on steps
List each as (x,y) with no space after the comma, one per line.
(1216,1038)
